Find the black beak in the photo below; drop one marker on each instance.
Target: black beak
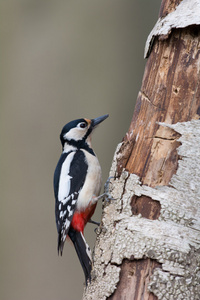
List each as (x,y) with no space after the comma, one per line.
(98,120)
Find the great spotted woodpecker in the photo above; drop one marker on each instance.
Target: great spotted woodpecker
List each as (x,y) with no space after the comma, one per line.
(77,184)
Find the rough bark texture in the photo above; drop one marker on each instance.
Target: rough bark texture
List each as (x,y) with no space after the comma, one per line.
(148,243)
(139,258)
(185,14)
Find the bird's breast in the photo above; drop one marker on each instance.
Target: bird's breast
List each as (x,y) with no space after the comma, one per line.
(93,181)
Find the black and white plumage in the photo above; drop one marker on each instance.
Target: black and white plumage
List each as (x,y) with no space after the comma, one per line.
(69,178)
(77,184)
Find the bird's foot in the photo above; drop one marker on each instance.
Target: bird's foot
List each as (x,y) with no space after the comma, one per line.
(107,195)
(93,222)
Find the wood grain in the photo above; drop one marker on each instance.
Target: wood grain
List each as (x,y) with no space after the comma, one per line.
(170,93)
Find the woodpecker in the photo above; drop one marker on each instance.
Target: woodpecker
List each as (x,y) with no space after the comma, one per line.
(77,185)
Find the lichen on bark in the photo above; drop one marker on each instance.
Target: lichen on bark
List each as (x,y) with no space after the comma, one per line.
(172,240)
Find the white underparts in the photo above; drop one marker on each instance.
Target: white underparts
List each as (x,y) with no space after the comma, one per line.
(92,185)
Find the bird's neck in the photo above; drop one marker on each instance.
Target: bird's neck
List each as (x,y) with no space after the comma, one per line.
(68,148)
(74,145)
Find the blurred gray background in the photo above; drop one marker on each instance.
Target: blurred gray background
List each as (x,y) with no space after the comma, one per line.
(60,60)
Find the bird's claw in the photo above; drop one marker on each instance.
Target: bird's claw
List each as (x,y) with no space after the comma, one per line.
(93,222)
(107,195)
(106,185)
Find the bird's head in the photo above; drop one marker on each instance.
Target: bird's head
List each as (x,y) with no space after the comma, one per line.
(79,131)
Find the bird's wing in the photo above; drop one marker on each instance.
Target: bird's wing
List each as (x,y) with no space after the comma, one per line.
(69,178)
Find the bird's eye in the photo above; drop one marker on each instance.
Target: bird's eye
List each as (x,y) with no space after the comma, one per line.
(82,125)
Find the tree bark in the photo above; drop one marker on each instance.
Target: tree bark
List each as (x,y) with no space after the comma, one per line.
(147,244)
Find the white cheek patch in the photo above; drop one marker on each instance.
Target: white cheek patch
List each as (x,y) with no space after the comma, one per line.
(75,134)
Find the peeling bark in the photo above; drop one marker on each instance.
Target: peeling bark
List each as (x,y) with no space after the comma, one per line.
(187,13)
(130,246)
(148,242)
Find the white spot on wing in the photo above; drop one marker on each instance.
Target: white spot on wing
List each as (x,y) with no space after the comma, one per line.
(62,214)
(63,232)
(69,210)
(64,201)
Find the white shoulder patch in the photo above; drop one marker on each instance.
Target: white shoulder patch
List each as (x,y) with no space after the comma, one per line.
(64,182)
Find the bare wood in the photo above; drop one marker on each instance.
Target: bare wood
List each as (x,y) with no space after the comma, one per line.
(170,93)
(135,276)
(167,6)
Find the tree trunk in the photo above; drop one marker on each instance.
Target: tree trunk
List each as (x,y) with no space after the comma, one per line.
(148,243)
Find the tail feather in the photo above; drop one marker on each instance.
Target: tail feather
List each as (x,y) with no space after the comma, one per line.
(83,252)
(60,244)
